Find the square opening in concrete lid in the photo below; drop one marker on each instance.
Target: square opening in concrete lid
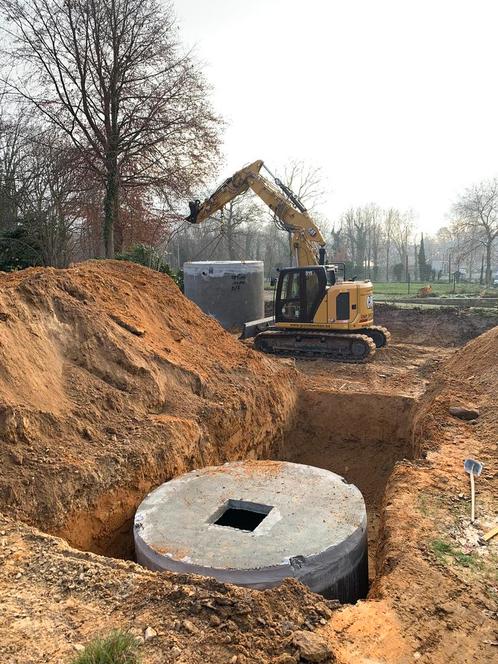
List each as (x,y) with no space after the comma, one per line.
(242,514)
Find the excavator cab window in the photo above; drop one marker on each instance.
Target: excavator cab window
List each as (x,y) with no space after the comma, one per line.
(331,277)
(299,293)
(289,296)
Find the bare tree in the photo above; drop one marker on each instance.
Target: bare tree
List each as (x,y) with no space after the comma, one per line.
(401,230)
(477,210)
(362,229)
(39,182)
(110,74)
(389,222)
(307,183)
(49,206)
(11,157)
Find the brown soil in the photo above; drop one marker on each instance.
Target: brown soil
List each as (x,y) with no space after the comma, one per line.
(88,408)
(435,326)
(327,435)
(112,382)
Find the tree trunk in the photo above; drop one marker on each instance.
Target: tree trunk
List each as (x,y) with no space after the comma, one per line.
(248,242)
(229,230)
(369,251)
(488,263)
(111,207)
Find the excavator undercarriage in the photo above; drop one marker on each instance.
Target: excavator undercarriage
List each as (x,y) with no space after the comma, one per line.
(350,347)
(340,347)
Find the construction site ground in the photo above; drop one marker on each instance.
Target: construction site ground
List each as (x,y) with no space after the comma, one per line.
(111,382)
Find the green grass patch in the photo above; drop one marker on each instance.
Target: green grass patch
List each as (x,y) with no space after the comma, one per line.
(116,648)
(441,548)
(464,559)
(423,504)
(429,504)
(439,288)
(443,551)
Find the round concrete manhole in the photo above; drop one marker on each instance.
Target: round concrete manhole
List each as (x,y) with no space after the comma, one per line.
(254,523)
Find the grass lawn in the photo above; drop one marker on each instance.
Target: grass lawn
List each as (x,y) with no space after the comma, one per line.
(396,289)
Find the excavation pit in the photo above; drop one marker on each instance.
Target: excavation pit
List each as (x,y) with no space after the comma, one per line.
(255,523)
(357,435)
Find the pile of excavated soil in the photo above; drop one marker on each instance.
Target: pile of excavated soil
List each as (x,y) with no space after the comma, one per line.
(434,326)
(111,382)
(56,599)
(477,361)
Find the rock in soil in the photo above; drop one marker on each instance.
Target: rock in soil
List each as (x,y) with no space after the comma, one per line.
(149,633)
(312,648)
(464,413)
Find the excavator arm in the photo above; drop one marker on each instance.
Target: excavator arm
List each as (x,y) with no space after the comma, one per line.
(307,240)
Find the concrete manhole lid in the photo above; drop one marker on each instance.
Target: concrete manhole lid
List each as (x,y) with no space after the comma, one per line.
(247,515)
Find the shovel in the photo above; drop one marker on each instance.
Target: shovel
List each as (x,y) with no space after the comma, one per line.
(474,469)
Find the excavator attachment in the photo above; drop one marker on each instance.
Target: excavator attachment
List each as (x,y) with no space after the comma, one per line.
(254,327)
(194,211)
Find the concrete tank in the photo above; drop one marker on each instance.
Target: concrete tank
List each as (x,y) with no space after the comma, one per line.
(254,523)
(231,291)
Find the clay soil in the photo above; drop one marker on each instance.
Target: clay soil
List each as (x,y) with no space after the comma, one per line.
(111,382)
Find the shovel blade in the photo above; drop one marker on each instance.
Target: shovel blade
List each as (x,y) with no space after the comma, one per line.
(473,467)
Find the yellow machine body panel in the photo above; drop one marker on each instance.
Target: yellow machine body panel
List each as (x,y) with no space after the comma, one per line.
(347,305)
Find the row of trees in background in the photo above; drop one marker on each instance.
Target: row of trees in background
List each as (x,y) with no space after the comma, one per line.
(383,245)
(106,130)
(475,225)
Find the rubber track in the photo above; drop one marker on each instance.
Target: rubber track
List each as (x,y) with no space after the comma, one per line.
(314,354)
(384,331)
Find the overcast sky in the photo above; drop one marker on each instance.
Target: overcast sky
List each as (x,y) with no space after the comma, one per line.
(396,100)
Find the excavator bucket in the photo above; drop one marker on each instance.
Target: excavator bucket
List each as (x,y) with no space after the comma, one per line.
(194,211)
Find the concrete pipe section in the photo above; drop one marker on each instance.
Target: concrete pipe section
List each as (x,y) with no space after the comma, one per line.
(231,291)
(254,523)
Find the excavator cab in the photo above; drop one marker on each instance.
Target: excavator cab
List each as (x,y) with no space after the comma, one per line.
(300,291)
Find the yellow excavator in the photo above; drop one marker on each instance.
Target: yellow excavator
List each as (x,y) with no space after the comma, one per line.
(318,313)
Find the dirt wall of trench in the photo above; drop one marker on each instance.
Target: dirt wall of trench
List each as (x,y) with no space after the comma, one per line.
(111,382)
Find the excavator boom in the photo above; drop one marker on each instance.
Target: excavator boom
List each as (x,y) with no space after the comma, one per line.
(307,240)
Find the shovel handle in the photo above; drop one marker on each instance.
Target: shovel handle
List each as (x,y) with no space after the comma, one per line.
(472,498)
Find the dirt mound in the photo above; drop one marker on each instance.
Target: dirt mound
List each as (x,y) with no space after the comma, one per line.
(435,326)
(477,360)
(111,381)
(68,598)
